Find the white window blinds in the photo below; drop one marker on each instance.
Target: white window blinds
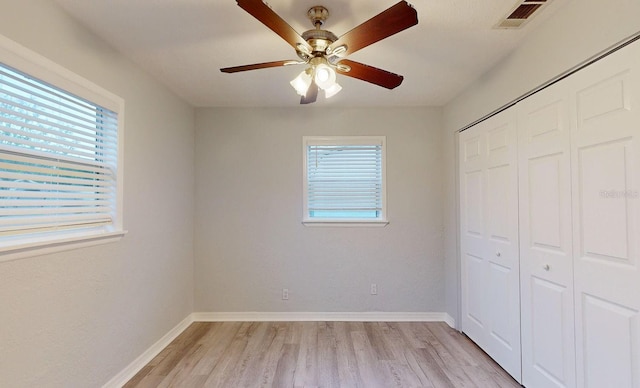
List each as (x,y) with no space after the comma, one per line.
(344,178)
(58,158)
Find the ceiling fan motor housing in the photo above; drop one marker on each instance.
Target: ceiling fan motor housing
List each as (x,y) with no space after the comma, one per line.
(319,40)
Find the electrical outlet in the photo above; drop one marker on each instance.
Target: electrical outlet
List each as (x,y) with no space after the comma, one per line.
(374,289)
(285,294)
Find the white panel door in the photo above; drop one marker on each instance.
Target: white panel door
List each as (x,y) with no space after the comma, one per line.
(472,210)
(489,239)
(606,217)
(546,262)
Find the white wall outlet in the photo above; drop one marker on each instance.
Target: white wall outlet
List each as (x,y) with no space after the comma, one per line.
(285,294)
(374,289)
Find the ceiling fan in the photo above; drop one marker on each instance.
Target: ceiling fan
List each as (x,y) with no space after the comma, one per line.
(325,53)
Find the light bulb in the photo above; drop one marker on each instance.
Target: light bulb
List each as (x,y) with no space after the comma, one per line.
(322,74)
(325,76)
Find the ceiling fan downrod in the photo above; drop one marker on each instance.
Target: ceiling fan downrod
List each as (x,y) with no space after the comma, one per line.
(318,39)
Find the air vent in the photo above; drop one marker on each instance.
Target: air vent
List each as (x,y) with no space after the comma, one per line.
(522,13)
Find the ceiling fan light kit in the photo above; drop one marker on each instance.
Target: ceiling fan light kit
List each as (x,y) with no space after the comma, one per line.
(320,73)
(324,53)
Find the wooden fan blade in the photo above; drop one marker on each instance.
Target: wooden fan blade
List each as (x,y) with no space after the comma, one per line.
(395,19)
(257,66)
(312,94)
(259,10)
(371,74)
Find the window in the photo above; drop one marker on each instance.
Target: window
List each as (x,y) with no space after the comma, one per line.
(59,153)
(344,180)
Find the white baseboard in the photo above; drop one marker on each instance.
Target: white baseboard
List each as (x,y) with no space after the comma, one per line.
(448,319)
(132,369)
(322,316)
(127,373)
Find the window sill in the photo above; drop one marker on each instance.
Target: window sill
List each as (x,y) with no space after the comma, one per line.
(43,246)
(346,223)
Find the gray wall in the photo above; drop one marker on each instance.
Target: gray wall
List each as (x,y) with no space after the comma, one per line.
(77,318)
(578,31)
(250,242)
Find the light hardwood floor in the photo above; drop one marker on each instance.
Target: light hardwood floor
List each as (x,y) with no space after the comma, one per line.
(321,354)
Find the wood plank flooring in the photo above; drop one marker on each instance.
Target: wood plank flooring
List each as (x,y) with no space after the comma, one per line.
(321,354)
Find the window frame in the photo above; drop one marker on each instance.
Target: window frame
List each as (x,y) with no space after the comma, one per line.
(380,221)
(19,246)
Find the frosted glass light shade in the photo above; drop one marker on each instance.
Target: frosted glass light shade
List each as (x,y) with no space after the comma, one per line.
(301,83)
(325,76)
(332,91)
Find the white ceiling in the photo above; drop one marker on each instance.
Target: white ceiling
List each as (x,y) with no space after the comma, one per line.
(184,43)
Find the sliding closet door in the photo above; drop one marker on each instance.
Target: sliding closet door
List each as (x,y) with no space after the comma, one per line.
(489,239)
(546,262)
(606,219)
